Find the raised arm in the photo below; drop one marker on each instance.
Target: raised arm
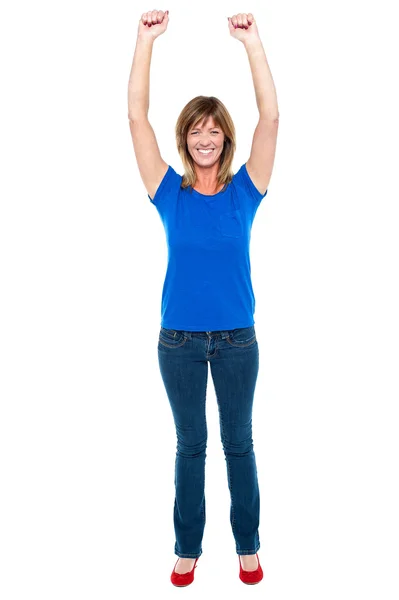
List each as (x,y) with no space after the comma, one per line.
(260,163)
(149,161)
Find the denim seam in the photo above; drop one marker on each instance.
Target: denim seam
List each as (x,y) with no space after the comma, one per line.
(161,341)
(241,344)
(187,555)
(246,552)
(233,522)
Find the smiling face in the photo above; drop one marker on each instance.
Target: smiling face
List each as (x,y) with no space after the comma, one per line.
(205,136)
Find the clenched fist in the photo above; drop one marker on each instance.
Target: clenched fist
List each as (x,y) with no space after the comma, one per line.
(153,23)
(243,27)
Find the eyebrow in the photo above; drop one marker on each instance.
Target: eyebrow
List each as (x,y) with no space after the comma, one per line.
(214,127)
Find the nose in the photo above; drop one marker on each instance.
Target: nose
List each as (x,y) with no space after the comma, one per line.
(203,141)
(205,144)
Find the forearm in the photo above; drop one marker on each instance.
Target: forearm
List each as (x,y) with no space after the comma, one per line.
(265,92)
(139,80)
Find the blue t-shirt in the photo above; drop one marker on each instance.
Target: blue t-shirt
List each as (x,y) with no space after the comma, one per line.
(208,284)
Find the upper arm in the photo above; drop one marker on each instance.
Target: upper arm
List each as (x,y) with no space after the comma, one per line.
(261,161)
(149,161)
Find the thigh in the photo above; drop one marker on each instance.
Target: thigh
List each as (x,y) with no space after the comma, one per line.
(234,373)
(185,378)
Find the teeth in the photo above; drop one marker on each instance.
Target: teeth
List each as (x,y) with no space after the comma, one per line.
(205,151)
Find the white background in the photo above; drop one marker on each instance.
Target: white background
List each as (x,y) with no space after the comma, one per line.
(87,439)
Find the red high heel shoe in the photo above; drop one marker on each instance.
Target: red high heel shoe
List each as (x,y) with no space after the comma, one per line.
(251,577)
(183,579)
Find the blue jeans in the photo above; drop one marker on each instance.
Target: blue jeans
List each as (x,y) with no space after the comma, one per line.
(234,360)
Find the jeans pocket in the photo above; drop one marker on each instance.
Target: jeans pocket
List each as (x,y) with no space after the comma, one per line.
(171,338)
(231,224)
(245,336)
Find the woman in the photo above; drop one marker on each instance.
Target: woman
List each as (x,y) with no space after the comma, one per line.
(207,299)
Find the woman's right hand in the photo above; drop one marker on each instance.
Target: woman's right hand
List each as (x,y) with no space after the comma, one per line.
(153,23)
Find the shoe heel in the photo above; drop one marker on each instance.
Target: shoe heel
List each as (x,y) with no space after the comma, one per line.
(251,577)
(183,579)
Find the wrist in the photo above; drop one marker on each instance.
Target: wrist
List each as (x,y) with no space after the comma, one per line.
(253,44)
(145,39)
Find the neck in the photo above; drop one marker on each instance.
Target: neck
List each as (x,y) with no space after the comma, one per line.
(207,178)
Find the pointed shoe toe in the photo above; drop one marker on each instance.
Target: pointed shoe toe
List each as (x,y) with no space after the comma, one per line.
(183,579)
(251,577)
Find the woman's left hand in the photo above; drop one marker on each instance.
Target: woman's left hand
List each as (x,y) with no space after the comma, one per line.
(243,27)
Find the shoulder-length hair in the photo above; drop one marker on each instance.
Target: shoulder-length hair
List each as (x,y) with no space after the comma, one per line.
(197,109)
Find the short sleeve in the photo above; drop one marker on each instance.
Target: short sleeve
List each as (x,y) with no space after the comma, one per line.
(169,186)
(243,181)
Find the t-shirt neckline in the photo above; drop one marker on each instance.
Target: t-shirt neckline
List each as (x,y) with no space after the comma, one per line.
(222,191)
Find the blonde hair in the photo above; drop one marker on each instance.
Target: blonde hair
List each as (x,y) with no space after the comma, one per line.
(197,109)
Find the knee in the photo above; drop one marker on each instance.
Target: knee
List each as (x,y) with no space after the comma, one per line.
(191,448)
(237,447)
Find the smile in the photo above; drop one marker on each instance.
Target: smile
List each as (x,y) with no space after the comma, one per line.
(205,151)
